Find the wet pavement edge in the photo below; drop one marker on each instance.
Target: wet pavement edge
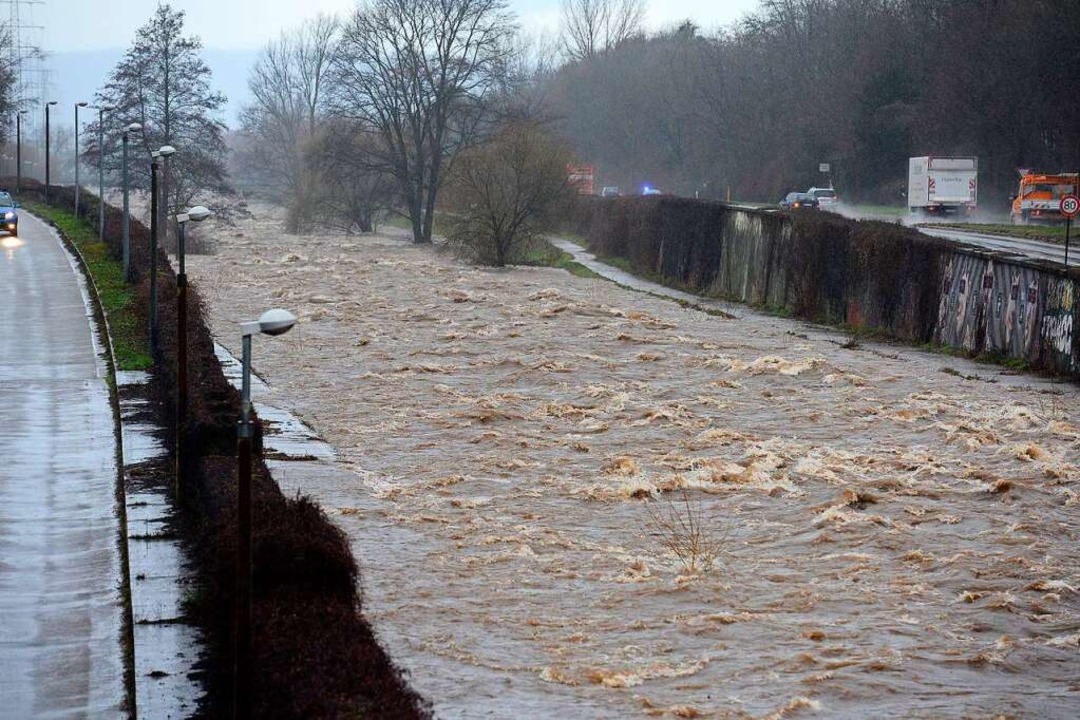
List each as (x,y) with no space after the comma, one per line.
(162,648)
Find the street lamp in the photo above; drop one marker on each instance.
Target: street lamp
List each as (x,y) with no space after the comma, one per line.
(101,168)
(196,214)
(77,106)
(164,152)
(18,150)
(163,185)
(133,127)
(47,105)
(272,322)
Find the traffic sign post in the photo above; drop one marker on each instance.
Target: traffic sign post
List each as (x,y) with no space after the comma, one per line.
(1068,222)
(1070,205)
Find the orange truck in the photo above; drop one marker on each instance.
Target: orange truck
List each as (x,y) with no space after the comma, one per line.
(1038,198)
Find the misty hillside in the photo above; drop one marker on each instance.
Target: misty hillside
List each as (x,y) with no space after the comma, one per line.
(861,86)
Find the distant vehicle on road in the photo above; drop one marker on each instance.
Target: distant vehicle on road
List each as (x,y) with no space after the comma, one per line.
(9,216)
(940,185)
(610,191)
(649,190)
(1038,199)
(799,201)
(827,197)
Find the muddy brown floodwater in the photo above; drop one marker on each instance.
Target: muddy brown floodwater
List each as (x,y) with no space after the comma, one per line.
(880,531)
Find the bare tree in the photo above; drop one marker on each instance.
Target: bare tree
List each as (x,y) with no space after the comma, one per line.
(504,191)
(353,186)
(593,26)
(422,73)
(288,88)
(526,82)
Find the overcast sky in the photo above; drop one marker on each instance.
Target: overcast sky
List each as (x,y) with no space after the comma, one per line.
(74,25)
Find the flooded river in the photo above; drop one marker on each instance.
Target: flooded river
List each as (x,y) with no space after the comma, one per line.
(571,499)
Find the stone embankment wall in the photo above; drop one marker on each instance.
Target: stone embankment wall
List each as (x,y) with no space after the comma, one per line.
(865,275)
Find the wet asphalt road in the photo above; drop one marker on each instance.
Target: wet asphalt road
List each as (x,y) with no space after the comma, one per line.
(61,610)
(1021,247)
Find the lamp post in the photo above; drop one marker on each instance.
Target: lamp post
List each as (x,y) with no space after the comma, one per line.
(163,191)
(47,105)
(101,168)
(18,151)
(77,106)
(196,214)
(133,127)
(272,322)
(164,152)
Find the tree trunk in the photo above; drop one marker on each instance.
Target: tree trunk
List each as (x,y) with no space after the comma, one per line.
(429,214)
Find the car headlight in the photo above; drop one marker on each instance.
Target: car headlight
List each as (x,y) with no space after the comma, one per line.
(9,215)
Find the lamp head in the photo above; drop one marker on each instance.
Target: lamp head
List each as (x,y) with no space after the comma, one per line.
(199,213)
(82,103)
(107,108)
(51,102)
(276,322)
(133,127)
(166,150)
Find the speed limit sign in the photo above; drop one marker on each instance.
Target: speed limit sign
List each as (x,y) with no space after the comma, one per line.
(1070,205)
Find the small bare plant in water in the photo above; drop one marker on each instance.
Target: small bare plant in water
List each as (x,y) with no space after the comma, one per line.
(1055,408)
(213,288)
(685,529)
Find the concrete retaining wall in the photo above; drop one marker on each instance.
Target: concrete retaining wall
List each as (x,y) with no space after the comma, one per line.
(1010,309)
(866,275)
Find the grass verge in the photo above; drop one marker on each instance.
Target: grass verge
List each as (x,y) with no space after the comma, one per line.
(118,298)
(544,254)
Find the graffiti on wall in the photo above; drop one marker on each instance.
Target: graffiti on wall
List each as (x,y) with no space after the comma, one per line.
(1013,310)
(1058,322)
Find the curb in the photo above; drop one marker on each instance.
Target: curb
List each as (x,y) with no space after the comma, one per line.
(162,648)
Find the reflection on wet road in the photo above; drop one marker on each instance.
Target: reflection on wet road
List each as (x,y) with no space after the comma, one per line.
(60,574)
(881,532)
(1013,246)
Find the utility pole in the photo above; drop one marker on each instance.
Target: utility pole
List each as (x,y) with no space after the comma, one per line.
(24,54)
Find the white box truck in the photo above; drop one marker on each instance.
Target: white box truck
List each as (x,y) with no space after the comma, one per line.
(938,185)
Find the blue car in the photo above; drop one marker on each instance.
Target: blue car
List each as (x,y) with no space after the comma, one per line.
(9,218)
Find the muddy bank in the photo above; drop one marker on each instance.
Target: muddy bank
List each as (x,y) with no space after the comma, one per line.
(888,532)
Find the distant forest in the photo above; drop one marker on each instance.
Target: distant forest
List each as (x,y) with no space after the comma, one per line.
(858,84)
